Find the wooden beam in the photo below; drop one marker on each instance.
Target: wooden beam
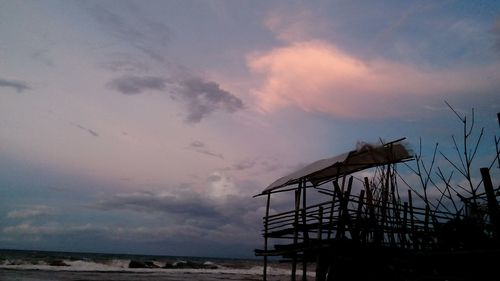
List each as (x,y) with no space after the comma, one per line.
(266,224)
(492,202)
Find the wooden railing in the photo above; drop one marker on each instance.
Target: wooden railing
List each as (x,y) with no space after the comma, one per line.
(356,218)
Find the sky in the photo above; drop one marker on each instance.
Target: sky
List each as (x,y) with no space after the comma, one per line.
(147,126)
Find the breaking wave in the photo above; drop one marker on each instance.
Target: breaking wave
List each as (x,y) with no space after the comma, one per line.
(83,262)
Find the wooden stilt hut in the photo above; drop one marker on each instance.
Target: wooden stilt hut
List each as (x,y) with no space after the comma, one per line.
(372,234)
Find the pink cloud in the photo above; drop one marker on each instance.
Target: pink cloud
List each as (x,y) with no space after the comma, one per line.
(316,76)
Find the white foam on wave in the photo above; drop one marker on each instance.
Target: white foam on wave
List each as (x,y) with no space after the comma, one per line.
(72,265)
(121,265)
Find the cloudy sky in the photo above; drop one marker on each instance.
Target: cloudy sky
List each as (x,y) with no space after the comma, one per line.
(147,126)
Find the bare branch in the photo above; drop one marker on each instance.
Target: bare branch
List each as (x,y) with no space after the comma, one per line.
(448,186)
(459,154)
(477,144)
(428,171)
(472,124)
(459,117)
(497,141)
(453,164)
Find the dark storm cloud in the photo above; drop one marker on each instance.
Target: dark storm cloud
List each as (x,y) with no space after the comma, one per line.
(203,97)
(205,210)
(200,147)
(17,85)
(130,84)
(199,96)
(186,204)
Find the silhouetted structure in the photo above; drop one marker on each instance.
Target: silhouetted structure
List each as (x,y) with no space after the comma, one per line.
(378,233)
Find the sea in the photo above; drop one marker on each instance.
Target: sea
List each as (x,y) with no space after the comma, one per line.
(18,265)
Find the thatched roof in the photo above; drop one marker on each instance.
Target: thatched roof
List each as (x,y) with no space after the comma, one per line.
(324,170)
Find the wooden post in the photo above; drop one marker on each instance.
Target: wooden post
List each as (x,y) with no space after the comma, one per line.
(412,221)
(320,268)
(344,211)
(320,223)
(349,187)
(369,196)
(371,209)
(404,226)
(343,184)
(266,225)
(304,215)
(385,198)
(426,225)
(296,232)
(387,210)
(396,211)
(336,193)
(305,234)
(356,231)
(340,223)
(492,202)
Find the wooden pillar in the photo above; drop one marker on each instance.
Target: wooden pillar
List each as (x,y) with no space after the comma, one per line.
(266,225)
(320,260)
(383,207)
(344,211)
(412,221)
(404,228)
(492,202)
(371,209)
(396,211)
(387,210)
(426,225)
(305,233)
(304,213)
(319,237)
(343,184)
(356,231)
(336,193)
(296,232)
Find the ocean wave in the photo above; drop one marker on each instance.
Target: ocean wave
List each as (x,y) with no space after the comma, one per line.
(90,263)
(122,265)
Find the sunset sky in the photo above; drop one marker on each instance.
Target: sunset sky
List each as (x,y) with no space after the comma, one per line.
(147,126)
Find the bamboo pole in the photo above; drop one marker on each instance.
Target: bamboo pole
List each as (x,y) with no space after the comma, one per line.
(266,224)
(304,206)
(404,226)
(296,232)
(385,197)
(305,234)
(492,202)
(396,209)
(320,267)
(371,208)
(332,209)
(344,211)
(426,225)
(389,212)
(412,220)
(320,223)
(355,233)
